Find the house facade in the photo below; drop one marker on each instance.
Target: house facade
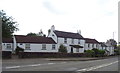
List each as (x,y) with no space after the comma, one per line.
(35,43)
(7,44)
(91,43)
(74,42)
(110,48)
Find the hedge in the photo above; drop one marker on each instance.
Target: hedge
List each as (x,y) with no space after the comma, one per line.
(48,55)
(6,54)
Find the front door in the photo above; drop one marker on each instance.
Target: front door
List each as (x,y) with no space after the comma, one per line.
(71,49)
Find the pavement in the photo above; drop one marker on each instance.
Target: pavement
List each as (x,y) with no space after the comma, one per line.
(60,59)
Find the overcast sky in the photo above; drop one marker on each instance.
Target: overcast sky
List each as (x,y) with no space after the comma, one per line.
(95,18)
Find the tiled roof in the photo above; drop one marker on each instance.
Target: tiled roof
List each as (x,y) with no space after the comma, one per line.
(7,40)
(88,40)
(68,34)
(34,39)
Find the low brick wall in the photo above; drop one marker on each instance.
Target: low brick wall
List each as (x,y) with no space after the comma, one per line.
(6,54)
(48,55)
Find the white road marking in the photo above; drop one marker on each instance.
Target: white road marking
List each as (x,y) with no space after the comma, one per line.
(50,63)
(12,67)
(96,67)
(63,62)
(34,65)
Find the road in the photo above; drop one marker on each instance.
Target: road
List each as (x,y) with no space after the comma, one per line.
(109,64)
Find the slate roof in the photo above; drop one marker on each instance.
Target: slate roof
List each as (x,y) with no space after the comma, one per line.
(64,34)
(34,39)
(7,40)
(88,40)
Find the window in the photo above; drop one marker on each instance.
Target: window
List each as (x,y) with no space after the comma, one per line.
(9,46)
(93,45)
(53,47)
(77,49)
(97,45)
(20,43)
(27,46)
(52,34)
(78,41)
(43,46)
(65,40)
(88,45)
(72,41)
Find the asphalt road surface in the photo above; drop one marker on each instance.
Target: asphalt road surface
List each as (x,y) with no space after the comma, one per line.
(109,64)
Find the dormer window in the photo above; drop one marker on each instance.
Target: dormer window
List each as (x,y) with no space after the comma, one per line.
(65,40)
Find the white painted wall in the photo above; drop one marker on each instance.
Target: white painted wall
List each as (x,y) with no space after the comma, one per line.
(4,47)
(69,42)
(53,37)
(38,48)
(111,50)
(91,46)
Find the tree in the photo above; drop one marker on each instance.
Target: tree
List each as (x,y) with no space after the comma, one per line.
(31,34)
(62,49)
(49,31)
(112,42)
(8,25)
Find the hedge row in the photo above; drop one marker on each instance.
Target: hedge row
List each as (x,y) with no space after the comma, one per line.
(6,54)
(48,55)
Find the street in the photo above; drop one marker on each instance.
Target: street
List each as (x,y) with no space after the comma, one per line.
(108,64)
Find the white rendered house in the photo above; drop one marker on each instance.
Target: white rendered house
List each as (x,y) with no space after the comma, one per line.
(74,42)
(7,44)
(35,43)
(91,43)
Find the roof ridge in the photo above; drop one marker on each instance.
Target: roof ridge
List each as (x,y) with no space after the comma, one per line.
(66,32)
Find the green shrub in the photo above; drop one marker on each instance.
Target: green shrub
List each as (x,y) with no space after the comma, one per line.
(18,49)
(98,52)
(101,53)
(117,51)
(90,53)
(62,49)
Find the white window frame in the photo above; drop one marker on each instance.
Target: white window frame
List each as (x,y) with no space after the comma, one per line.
(77,49)
(72,41)
(53,46)
(88,45)
(8,46)
(78,41)
(27,46)
(65,40)
(93,45)
(43,46)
